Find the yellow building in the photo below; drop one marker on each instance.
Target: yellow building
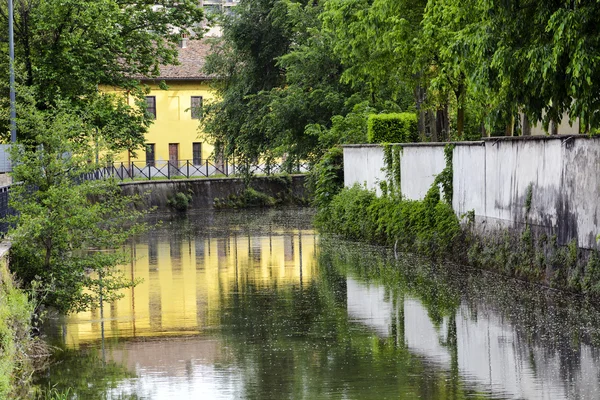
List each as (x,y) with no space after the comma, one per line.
(175,136)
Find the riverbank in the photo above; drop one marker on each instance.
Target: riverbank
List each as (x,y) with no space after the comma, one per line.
(522,206)
(430,227)
(16,344)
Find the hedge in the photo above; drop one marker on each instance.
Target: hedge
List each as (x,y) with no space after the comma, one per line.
(393,128)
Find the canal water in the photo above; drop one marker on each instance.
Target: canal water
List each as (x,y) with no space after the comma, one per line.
(255,305)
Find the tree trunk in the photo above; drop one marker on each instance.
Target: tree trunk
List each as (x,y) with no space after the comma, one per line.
(460,115)
(432,126)
(553,128)
(510,128)
(526,129)
(442,124)
(421,114)
(460,122)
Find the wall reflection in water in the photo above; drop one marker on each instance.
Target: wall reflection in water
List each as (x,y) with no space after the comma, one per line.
(514,341)
(185,279)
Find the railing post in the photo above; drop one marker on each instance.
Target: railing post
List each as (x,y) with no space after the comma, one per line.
(169,169)
(149,172)
(187,165)
(131,171)
(226,167)
(207,167)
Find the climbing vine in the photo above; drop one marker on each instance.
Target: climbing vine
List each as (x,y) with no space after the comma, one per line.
(446,177)
(392,157)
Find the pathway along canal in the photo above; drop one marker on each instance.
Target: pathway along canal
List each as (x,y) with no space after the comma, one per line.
(254,305)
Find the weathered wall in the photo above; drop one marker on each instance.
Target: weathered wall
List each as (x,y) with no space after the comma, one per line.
(493,178)
(204,191)
(366,166)
(468,162)
(419,165)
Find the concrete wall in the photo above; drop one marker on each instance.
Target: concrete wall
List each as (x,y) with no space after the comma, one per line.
(493,178)
(204,191)
(468,161)
(366,167)
(419,165)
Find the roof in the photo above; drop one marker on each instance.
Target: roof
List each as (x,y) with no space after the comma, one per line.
(191,61)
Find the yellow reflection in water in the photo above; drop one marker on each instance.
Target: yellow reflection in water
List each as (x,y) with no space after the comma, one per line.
(184,282)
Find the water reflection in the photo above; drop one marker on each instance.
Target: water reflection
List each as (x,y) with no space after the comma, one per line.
(253,306)
(512,340)
(186,277)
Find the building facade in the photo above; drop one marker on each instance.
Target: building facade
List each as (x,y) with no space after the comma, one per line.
(175,135)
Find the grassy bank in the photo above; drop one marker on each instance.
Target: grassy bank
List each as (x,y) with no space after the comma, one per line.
(430,227)
(15,341)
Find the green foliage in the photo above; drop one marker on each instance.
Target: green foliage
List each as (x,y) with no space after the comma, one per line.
(67,233)
(392,154)
(65,50)
(15,340)
(258,115)
(326,178)
(590,282)
(446,177)
(180,201)
(249,197)
(528,199)
(393,128)
(348,129)
(345,214)
(375,41)
(427,226)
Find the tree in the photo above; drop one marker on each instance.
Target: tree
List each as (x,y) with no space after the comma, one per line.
(246,63)
(68,233)
(65,49)
(263,115)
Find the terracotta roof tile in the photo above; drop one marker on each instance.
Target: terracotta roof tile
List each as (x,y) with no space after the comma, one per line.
(191,61)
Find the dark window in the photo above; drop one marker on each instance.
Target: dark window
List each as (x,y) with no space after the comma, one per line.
(197,153)
(150,154)
(151,105)
(196,107)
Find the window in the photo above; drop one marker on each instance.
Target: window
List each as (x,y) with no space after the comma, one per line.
(197,153)
(151,105)
(150,154)
(196,107)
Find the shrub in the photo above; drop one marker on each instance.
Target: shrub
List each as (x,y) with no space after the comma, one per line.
(180,201)
(15,340)
(248,198)
(326,178)
(392,128)
(429,226)
(346,213)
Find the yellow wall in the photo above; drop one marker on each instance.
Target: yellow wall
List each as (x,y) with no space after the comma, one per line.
(174,123)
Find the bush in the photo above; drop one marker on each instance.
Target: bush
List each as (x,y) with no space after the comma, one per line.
(326,177)
(429,226)
(180,201)
(15,340)
(345,213)
(393,128)
(248,198)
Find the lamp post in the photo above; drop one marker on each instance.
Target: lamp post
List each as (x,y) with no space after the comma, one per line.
(11,53)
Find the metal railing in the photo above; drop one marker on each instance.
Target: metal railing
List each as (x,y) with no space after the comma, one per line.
(140,170)
(5,210)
